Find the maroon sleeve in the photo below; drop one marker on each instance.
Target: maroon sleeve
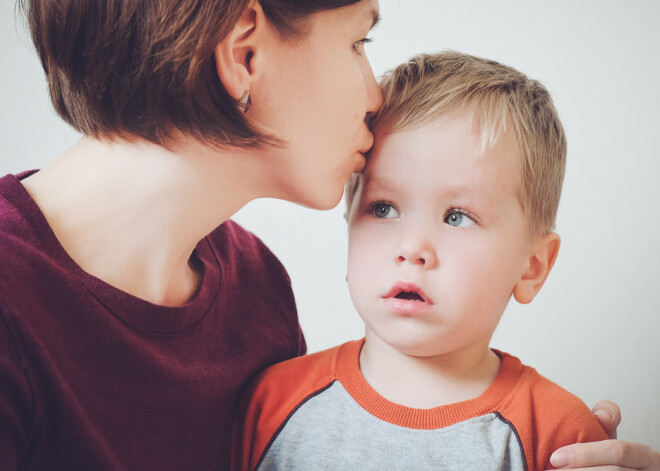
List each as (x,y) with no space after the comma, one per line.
(15,399)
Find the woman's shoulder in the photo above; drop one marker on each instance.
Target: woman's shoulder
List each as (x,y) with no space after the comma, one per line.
(239,248)
(18,234)
(231,235)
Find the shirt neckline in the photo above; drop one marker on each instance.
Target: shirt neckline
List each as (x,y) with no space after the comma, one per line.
(350,376)
(138,313)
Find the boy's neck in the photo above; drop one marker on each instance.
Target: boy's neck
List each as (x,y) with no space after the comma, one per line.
(427,382)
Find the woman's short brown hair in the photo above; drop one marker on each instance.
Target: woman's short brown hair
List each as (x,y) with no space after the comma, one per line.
(146,67)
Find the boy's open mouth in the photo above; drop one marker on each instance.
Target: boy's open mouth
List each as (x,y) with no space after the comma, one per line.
(410,296)
(408,292)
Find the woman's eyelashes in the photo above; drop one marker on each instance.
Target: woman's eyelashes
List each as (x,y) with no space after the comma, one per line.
(359,45)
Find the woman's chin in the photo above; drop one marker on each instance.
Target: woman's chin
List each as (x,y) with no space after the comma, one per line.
(323,202)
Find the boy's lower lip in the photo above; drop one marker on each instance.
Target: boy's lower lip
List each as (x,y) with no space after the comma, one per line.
(407,307)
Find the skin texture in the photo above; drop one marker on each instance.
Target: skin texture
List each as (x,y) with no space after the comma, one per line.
(436,214)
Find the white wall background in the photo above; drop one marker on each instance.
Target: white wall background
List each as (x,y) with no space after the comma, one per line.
(595,327)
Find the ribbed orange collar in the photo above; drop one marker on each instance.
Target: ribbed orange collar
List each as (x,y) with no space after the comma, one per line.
(498,393)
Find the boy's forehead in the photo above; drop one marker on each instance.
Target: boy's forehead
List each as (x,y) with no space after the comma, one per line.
(458,130)
(398,145)
(474,119)
(442,158)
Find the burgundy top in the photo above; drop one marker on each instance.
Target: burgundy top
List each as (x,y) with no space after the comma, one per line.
(94,378)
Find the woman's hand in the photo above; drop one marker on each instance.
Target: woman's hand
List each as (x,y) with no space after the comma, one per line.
(607,455)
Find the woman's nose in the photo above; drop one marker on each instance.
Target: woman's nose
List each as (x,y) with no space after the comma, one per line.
(374,94)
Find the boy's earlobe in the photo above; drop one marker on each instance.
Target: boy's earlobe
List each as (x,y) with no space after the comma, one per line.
(235,55)
(542,258)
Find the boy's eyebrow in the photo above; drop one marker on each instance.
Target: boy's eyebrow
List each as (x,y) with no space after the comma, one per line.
(379,183)
(455,192)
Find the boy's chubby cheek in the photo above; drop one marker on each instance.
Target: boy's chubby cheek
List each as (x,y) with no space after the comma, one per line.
(363,255)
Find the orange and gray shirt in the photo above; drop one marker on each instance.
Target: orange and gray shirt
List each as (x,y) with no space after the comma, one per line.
(319,413)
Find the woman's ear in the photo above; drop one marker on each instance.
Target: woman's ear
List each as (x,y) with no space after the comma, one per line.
(237,54)
(541,260)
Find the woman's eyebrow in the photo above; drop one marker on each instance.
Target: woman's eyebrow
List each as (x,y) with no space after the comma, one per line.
(375,18)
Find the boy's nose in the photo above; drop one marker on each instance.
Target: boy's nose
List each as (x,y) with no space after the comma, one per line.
(417,252)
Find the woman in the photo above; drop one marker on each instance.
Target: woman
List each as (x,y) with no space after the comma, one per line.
(131,309)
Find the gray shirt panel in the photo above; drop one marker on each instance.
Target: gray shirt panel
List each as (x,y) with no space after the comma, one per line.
(330,431)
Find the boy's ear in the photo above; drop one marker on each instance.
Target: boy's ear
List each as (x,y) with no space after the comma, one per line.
(542,257)
(237,55)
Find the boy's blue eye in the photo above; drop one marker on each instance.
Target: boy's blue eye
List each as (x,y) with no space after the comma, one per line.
(383,210)
(459,218)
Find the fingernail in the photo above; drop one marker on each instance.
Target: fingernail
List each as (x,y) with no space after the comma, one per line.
(561,459)
(603,414)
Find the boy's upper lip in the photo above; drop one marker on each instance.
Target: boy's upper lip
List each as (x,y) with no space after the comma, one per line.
(404,286)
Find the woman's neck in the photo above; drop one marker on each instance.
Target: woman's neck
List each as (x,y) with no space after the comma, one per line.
(132,212)
(427,382)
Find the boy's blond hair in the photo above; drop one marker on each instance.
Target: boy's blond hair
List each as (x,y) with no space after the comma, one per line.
(496,96)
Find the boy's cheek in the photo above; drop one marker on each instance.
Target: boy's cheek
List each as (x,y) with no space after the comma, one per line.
(365,259)
(366,240)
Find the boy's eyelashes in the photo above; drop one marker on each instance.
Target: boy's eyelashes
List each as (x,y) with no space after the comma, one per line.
(460,218)
(455,216)
(382,210)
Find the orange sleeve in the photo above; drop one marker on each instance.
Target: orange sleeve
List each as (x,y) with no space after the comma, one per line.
(548,417)
(271,398)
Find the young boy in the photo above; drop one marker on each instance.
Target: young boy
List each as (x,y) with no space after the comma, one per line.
(452,216)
